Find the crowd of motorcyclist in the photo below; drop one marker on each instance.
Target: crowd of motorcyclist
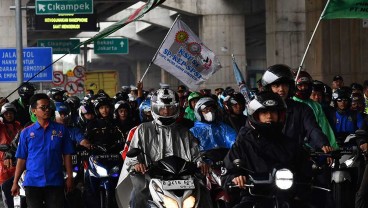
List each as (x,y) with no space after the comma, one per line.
(288,114)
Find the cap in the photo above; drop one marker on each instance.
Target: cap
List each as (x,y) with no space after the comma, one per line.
(338,77)
(182,88)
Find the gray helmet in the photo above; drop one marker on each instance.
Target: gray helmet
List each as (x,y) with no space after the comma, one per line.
(8,107)
(201,104)
(165,98)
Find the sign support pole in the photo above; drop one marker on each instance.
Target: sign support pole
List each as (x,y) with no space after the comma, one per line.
(19,41)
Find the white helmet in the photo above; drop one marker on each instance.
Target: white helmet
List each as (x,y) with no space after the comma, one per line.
(165,99)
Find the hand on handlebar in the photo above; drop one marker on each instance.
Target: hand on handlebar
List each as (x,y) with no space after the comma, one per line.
(240,181)
(140,167)
(327,149)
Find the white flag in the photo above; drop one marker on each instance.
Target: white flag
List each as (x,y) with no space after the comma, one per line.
(183,55)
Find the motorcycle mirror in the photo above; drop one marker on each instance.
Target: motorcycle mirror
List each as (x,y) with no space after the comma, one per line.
(241,165)
(134,152)
(4,147)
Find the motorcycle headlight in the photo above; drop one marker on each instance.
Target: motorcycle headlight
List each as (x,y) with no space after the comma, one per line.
(101,171)
(349,162)
(189,202)
(169,202)
(284,179)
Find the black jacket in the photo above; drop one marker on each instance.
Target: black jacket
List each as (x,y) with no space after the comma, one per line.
(301,125)
(235,121)
(106,133)
(262,154)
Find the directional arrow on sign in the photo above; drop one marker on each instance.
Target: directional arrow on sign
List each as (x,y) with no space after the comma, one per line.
(41,7)
(122,44)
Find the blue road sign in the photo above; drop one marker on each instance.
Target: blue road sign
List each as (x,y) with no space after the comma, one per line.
(34,60)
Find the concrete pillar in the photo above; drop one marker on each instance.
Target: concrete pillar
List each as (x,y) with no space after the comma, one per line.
(339,47)
(224,34)
(7,38)
(285,31)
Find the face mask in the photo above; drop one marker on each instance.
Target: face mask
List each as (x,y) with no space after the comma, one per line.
(209,117)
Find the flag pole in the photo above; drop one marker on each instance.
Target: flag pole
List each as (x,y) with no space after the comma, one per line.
(310,40)
(154,57)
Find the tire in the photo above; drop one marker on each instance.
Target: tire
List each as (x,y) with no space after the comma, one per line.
(343,194)
(103,199)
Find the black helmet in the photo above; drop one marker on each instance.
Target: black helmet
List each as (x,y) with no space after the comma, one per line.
(356,86)
(100,101)
(318,86)
(26,90)
(340,94)
(85,108)
(56,94)
(74,102)
(267,101)
(201,104)
(303,78)
(121,104)
(278,73)
(233,99)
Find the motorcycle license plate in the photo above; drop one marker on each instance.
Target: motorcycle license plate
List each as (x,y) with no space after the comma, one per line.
(178,184)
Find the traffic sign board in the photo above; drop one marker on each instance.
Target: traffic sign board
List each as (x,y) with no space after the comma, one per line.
(58,77)
(71,87)
(112,46)
(34,60)
(79,71)
(64,7)
(80,85)
(61,46)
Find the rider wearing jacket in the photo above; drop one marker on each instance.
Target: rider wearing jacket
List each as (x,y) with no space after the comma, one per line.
(347,121)
(234,105)
(300,121)
(22,104)
(303,92)
(158,139)
(262,146)
(211,132)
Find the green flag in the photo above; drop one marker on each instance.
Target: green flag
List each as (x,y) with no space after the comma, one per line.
(346,9)
(134,16)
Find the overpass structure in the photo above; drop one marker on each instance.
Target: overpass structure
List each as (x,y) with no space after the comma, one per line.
(258,32)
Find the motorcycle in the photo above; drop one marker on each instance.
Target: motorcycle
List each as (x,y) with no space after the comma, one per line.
(278,188)
(345,170)
(215,158)
(174,183)
(103,173)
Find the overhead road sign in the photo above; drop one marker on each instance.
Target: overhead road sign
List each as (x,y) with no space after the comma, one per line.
(34,60)
(64,7)
(61,46)
(78,22)
(111,46)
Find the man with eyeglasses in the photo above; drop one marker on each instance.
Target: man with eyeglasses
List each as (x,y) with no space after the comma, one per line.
(347,121)
(44,148)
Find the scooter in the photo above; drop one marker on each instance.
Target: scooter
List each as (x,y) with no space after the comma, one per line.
(174,183)
(103,173)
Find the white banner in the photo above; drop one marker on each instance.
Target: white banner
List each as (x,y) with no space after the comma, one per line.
(183,55)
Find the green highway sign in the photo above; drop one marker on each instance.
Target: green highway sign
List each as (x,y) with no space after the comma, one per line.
(111,46)
(61,46)
(44,7)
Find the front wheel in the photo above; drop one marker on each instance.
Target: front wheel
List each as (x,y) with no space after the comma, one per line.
(343,194)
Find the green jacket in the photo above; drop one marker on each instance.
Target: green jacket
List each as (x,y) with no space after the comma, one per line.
(321,120)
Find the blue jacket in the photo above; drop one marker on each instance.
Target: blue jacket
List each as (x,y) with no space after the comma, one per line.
(348,122)
(215,135)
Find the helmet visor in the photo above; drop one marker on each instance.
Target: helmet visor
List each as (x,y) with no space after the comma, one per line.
(165,110)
